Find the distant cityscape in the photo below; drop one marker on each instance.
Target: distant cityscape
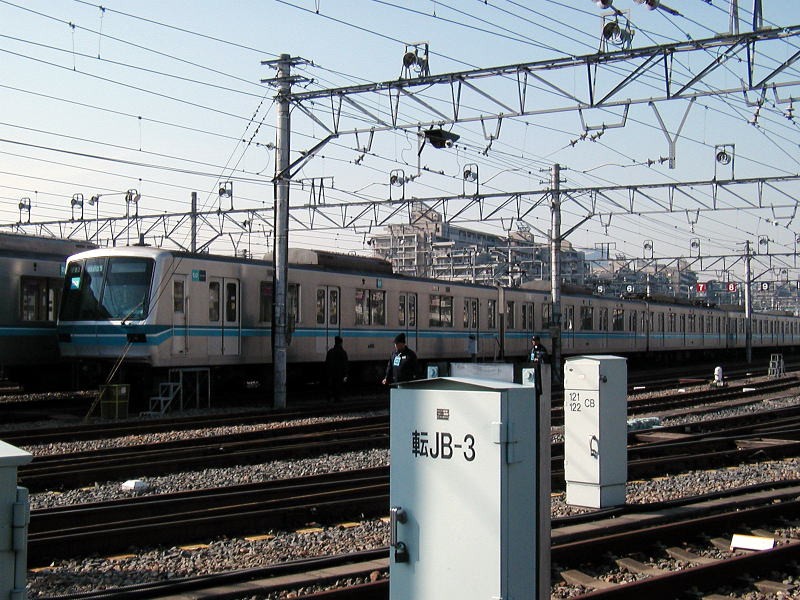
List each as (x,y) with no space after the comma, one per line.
(430,247)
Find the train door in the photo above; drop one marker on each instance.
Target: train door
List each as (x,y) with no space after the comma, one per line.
(327,316)
(230,324)
(407,317)
(214,316)
(180,334)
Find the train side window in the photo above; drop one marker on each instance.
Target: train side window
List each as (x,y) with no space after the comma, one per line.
(293,303)
(362,307)
(38,299)
(213,301)
(378,307)
(671,322)
(264,302)
(230,302)
(491,315)
(603,316)
(692,320)
(321,306)
(178,296)
(412,310)
(547,314)
(441,311)
(660,322)
(370,307)
(527,317)
(333,306)
(401,310)
(632,320)
(510,309)
(618,319)
(569,318)
(470,313)
(587,318)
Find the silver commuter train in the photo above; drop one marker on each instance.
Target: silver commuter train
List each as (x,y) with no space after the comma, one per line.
(32,277)
(164,309)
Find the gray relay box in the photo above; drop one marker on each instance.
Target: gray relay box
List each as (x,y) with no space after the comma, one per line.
(465,492)
(595,430)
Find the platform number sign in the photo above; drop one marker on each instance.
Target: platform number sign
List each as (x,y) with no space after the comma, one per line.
(701,288)
(732,286)
(765,286)
(630,289)
(601,289)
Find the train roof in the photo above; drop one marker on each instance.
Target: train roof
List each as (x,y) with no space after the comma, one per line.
(40,245)
(336,260)
(297,257)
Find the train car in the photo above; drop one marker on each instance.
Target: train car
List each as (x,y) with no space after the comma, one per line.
(155,309)
(32,276)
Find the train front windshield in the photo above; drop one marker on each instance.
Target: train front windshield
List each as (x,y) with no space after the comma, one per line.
(107,288)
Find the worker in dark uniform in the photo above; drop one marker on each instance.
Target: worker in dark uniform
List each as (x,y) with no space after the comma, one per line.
(336,369)
(538,357)
(403,363)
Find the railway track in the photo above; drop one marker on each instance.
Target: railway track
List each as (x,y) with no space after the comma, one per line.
(685,533)
(56,471)
(576,542)
(92,431)
(645,457)
(198,516)
(191,516)
(680,400)
(786,430)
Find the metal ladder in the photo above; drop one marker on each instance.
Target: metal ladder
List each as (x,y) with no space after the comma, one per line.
(776,368)
(167,392)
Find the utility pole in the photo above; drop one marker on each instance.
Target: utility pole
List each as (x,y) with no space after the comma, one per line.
(193,220)
(280,254)
(748,305)
(555,269)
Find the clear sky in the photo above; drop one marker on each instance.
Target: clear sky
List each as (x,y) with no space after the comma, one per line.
(164,97)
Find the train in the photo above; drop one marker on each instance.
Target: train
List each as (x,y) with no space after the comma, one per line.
(32,277)
(154,310)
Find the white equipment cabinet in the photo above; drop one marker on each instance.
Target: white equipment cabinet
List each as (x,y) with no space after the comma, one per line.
(595,430)
(465,492)
(14,519)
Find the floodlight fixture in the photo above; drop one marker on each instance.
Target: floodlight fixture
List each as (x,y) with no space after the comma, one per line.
(611,30)
(77,200)
(439,138)
(604,4)
(132,196)
(226,191)
(397,178)
(25,205)
(415,61)
(471,173)
(654,4)
(725,156)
